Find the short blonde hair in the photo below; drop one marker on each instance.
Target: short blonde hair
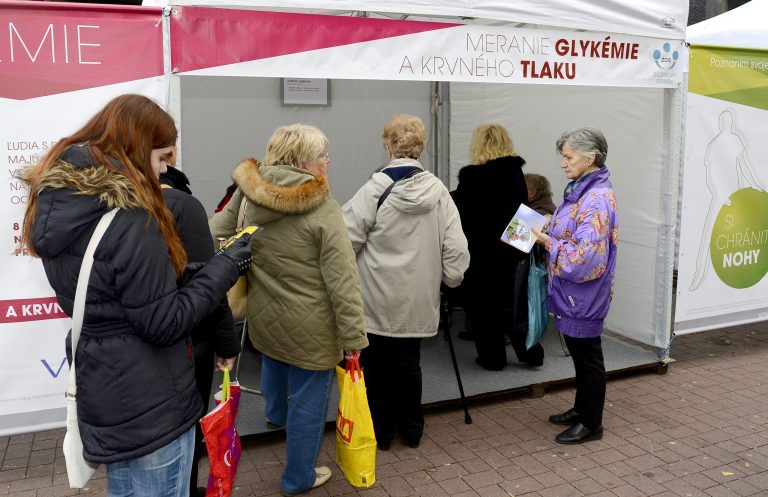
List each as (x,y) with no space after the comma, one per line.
(490,141)
(404,136)
(538,186)
(296,143)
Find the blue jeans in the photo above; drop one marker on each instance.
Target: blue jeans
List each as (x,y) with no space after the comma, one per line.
(298,399)
(162,473)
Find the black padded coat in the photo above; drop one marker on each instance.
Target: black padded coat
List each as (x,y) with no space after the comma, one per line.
(135,377)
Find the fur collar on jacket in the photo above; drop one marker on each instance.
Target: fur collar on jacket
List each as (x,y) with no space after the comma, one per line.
(115,190)
(303,191)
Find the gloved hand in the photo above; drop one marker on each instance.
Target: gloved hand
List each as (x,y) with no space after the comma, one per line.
(238,250)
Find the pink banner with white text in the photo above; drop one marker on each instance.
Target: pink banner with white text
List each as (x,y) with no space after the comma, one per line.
(73,47)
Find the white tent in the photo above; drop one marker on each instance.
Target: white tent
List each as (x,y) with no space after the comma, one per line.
(745,27)
(724,229)
(616,67)
(536,67)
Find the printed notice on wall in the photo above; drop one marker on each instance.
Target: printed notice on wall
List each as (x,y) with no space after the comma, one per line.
(306,91)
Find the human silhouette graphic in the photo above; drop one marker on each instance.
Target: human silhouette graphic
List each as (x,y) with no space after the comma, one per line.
(728,171)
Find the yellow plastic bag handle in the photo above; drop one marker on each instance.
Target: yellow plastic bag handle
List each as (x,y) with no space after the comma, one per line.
(225,393)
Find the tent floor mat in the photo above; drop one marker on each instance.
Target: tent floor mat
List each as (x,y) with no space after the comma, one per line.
(440,387)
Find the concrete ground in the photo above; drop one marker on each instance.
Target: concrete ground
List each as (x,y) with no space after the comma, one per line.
(699,430)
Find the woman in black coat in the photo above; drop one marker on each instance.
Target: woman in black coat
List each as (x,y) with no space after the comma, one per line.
(217,332)
(495,286)
(137,402)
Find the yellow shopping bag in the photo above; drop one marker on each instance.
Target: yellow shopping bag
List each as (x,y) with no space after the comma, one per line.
(355,439)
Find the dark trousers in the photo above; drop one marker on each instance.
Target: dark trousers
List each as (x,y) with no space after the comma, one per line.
(204,365)
(496,316)
(492,325)
(587,355)
(392,372)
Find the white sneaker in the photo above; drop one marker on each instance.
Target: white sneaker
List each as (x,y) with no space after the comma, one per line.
(322,475)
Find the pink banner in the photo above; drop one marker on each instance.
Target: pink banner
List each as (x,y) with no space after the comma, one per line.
(20,310)
(51,48)
(203,37)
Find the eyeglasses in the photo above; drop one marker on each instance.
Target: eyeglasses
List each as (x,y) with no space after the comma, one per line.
(324,155)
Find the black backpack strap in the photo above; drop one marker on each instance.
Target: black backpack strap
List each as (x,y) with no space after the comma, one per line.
(385,194)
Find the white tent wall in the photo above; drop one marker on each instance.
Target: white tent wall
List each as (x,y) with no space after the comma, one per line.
(226,119)
(639,149)
(636,102)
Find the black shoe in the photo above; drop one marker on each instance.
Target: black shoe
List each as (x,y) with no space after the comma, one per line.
(412,443)
(534,356)
(579,433)
(568,418)
(198,492)
(383,445)
(482,364)
(273,426)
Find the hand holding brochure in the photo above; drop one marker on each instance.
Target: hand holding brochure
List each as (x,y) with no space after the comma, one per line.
(518,232)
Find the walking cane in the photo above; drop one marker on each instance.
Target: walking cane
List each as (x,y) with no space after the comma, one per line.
(446,309)
(243,388)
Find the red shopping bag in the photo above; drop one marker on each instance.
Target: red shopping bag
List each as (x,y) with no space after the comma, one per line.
(222,440)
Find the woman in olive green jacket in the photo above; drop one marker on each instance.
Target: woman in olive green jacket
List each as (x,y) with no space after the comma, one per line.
(304,303)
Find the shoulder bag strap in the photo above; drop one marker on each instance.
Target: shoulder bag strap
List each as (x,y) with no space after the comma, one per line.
(386,193)
(78,309)
(241,214)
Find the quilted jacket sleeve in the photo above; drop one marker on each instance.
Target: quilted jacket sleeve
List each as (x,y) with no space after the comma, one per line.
(582,255)
(339,272)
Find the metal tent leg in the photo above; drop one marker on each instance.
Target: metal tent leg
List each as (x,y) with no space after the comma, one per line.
(243,334)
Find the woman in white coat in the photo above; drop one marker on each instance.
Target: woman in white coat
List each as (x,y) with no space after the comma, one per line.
(407,237)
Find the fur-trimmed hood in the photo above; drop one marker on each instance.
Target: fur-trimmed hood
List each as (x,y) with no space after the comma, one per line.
(280,190)
(77,171)
(72,195)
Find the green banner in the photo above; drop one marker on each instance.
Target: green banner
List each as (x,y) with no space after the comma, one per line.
(737,75)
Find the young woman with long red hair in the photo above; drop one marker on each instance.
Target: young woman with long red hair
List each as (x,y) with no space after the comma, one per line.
(137,400)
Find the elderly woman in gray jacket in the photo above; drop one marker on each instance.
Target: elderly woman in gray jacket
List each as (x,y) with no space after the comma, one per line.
(407,236)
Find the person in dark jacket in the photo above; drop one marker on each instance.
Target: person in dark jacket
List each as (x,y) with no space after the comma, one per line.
(137,401)
(495,286)
(581,240)
(216,333)
(540,194)
(540,200)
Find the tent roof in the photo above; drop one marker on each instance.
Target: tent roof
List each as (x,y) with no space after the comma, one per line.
(658,18)
(745,26)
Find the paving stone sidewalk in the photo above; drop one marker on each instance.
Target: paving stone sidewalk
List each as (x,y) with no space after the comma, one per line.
(699,430)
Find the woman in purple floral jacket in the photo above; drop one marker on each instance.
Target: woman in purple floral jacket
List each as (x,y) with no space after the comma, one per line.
(583,234)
